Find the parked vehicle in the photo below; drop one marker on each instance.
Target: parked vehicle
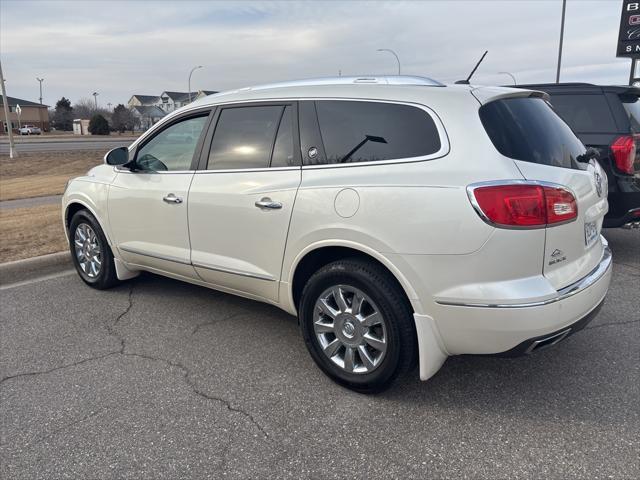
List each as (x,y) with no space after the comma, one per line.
(606,118)
(400,219)
(29,130)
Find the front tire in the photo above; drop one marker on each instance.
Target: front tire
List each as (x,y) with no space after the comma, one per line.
(90,252)
(358,325)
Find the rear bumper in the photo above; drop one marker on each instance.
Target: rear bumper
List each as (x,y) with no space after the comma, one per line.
(543,341)
(494,328)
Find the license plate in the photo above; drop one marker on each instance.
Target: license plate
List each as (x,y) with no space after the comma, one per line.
(590,233)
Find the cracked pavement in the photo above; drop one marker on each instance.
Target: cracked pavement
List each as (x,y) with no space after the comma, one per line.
(160,379)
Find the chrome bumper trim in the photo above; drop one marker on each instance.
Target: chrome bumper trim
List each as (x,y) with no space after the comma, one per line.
(592,277)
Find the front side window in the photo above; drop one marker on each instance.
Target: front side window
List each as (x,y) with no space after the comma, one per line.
(244,137)
(355,131)
(173,148)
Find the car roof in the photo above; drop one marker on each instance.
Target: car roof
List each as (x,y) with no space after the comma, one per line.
(402,88)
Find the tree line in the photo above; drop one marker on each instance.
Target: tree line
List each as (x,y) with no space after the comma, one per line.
(101,121)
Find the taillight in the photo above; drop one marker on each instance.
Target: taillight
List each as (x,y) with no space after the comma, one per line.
(524,205)
(624,153)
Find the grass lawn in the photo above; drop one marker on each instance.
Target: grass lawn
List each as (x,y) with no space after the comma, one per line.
(28,232)
(43,173)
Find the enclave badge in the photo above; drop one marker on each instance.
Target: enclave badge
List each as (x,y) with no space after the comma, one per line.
(598,179)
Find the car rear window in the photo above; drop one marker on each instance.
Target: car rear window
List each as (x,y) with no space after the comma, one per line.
(585,113)
(355,131)
(631,106)
(527,128)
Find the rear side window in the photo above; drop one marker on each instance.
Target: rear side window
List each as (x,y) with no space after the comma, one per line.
(631,106)
(372,131)
(528,129)
(244,137)
(585,113)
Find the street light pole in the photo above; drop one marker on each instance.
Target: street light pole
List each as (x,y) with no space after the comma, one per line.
(392,53)
(191,73)
(40,80)
(5,104)
(512,77)
(564,9)
(95,98)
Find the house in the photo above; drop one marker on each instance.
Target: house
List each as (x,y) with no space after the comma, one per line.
(143,100)
(167,101)
(204,93)
(31,113)
(147,114)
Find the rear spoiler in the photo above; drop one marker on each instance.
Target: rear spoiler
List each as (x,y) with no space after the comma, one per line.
(485,95)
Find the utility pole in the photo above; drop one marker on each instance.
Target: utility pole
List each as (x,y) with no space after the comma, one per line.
(40,80)
(95,98)
(12,148)
(109,105)
(564,9)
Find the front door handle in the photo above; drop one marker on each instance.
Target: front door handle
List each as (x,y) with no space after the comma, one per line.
(266,202)
(171,198)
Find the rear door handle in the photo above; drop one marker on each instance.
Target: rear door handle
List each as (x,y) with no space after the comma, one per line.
(171,198)
(267,203)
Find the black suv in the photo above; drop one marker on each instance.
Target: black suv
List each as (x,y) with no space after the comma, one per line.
(607,119)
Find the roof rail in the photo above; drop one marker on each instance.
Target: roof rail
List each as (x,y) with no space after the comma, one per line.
(365,79)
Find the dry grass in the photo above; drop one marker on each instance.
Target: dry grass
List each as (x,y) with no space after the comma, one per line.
(43,173)
(28,232)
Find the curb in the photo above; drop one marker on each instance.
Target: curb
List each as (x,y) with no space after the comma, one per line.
(35,267)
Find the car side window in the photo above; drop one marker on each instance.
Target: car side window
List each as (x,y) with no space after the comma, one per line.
(244,137)
(585,113)
(356,131)
(173,148)
(283,148)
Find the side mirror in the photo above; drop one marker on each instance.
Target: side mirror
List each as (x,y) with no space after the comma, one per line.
(117,156)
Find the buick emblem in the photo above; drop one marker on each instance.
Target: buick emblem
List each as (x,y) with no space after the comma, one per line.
(598,180)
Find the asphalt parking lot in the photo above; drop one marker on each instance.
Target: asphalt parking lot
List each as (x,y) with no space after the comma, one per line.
(159,379)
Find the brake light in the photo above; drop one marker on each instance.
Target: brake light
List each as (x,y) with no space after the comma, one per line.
(523,205)
(624,153)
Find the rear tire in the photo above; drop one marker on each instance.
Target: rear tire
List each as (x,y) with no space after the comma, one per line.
(90,252)
(358,325)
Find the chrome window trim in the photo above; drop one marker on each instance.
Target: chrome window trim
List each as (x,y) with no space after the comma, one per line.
(152,172)
(445,145)
(493,183)
(233,271)
(246,170)
(577,287)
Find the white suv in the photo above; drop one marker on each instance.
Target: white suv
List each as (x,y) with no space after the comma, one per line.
(400,219)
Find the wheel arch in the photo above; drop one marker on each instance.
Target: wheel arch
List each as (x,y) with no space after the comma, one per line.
(320,254)
(74,206)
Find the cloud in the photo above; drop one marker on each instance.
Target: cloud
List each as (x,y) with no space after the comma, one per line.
(119,48)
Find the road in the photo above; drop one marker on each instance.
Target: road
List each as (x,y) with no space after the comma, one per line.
(59,145)
(159,379)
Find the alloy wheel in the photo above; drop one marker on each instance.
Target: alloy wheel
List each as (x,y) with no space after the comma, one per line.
(350,329)
(87,250)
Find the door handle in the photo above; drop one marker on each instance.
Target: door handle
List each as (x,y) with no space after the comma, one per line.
(266,202)
(171,198)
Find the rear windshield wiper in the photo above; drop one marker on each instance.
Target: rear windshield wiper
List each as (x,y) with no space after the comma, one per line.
(588,155)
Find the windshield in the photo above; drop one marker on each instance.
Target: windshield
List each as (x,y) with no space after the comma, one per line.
(527,128)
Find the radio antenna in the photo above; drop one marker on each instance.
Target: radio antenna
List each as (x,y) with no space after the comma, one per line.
(466,82)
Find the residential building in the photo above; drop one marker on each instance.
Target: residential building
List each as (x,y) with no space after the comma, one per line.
(31,113)
(147,115)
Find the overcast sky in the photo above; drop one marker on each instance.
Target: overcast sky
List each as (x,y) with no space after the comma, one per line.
(119,48)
